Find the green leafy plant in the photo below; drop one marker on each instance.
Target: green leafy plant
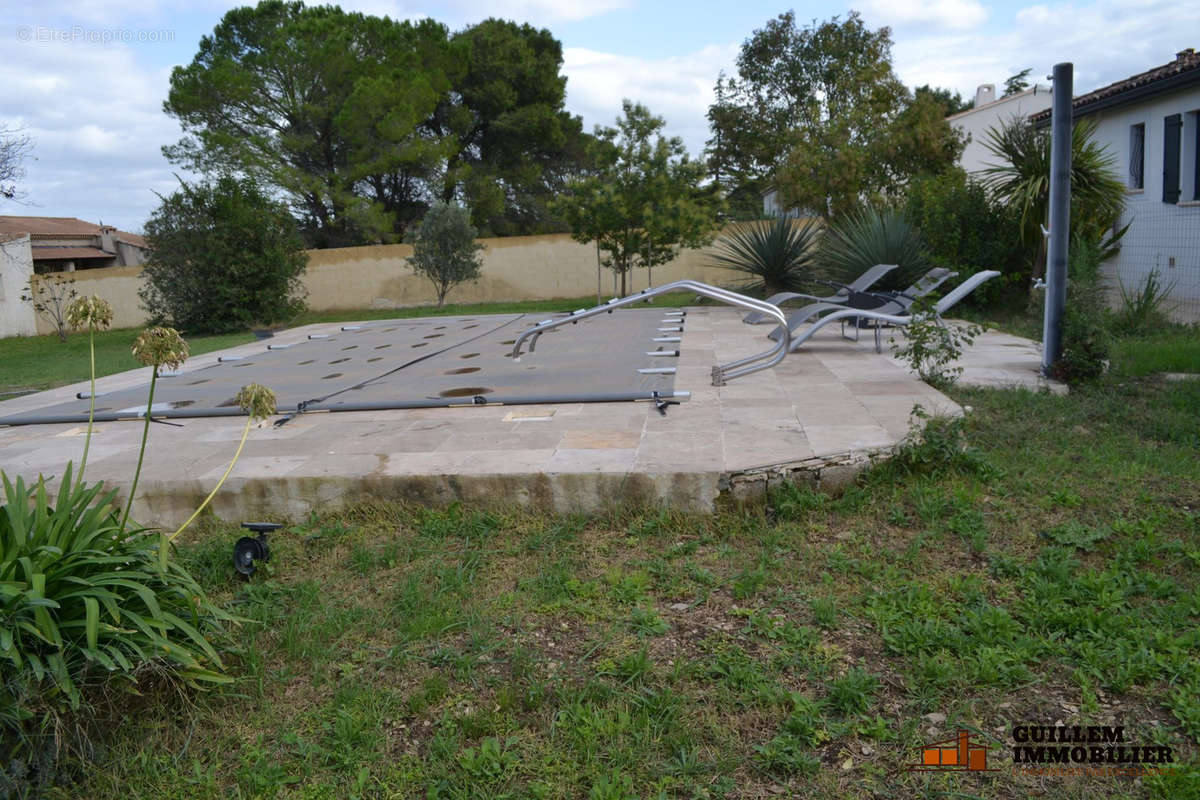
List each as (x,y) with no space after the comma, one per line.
(444,248)
(861,239)
(930,346)
(1085,346)
(778,255)
(223,256)
(966,230)
(86,603)
(1020,178)
(1143,310)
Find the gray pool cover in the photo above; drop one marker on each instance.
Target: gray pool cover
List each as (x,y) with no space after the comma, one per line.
(416,363)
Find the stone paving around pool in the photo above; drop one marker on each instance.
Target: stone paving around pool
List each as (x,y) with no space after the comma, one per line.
(821,415)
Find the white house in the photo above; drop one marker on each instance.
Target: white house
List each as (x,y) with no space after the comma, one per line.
(1151,123)
(990,112)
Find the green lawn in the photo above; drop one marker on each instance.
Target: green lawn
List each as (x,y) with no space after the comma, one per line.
(1047,574)
(33,363)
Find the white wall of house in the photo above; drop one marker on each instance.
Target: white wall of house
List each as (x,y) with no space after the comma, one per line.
(17,317)
(1162,237)
(976,122)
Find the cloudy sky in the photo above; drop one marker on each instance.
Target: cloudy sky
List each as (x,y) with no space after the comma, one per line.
(86,79)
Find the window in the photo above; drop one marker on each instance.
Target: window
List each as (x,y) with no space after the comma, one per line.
(1172,139)
(1194,120)
(1137,156)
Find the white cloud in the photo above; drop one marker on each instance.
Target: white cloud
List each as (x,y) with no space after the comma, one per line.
(678,89)
(1104,40)
(95,117)
(944,14)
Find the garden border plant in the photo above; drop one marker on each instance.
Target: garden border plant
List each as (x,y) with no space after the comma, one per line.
(91,603)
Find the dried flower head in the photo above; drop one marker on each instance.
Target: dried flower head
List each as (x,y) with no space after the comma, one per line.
(92,312)
(256,400)
(160,347)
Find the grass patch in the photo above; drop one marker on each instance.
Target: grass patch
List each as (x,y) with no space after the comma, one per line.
(34,363)
(1037,562)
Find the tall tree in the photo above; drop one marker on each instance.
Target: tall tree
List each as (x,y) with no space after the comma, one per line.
(950,100)
(513,143)
(322,106)
(646,201)
(819,112)
(360,121)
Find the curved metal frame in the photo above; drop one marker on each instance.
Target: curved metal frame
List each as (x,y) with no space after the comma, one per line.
(720,373)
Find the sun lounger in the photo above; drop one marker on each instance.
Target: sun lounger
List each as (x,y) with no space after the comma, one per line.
(887,316)
(844,290)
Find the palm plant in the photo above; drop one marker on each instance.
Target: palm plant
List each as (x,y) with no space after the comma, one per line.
(1021,180)
(777,255)
(870,236)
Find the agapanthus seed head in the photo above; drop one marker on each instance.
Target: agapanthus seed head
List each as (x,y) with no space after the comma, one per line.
(256,400)
(89,312)
(160,347)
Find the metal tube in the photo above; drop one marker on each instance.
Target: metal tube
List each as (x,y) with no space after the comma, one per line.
(1060,216)
(734,369)
(383,405)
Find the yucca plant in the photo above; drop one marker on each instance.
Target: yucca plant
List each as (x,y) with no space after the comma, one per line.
(859,240)
(777,255)
(85,602)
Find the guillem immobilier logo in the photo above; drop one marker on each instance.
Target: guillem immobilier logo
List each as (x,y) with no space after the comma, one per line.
(1052,751)
(1094,750)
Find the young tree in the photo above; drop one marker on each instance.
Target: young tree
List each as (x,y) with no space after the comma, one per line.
(223,257)
(818,111)
(645,202)
(444,248)
(14,148)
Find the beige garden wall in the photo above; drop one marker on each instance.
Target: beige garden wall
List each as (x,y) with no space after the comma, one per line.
(514,268)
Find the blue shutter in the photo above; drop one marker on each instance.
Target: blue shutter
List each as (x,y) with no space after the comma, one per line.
(1172,138)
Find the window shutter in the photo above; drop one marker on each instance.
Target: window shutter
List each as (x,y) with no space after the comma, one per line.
(1172,137)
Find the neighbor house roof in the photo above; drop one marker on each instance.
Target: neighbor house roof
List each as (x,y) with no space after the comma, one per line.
(63,228)
(1183,71)
(73,253)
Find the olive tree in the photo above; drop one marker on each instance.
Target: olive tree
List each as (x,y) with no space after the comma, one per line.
(444,248)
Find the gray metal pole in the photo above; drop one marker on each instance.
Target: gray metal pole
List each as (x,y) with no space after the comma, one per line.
(1060,215)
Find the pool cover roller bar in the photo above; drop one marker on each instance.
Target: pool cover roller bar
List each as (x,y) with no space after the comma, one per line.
(721,373)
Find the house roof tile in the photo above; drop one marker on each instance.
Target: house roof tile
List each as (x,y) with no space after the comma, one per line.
(1186,61)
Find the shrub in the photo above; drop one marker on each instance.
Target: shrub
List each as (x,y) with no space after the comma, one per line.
(860,240)
(444,248)
(967,232)
(224,257)
(1085,345)
(778,255)
(87,606)
(930,345)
